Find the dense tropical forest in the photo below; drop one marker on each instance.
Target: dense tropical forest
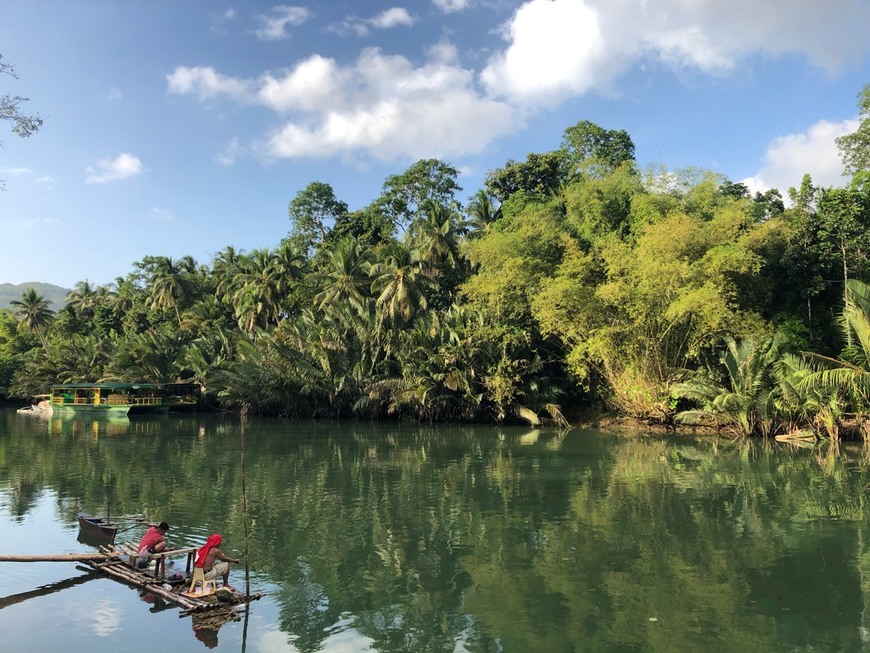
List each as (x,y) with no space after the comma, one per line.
(574,282)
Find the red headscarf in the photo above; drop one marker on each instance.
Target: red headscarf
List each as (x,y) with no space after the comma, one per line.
(212,541)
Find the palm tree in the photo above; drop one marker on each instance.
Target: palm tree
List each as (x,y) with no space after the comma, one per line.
(434,234)
(849,374)
(171,282)
(257,297)
(343,278)
(33,310)
(399,285)
(82,299)
(225,268)
(747,403)
(482,213)
(804,403)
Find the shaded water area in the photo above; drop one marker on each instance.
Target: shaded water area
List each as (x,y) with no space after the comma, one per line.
(416,538)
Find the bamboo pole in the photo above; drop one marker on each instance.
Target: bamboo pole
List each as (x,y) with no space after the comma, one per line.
(245,506)
(60,557)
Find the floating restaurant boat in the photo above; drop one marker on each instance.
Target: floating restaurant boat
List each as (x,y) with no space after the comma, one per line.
(124,398)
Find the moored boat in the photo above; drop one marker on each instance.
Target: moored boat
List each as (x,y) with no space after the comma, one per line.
(40,406)
(112,398)
(97,527)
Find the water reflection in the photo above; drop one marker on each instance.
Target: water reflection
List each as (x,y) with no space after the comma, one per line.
(404,538)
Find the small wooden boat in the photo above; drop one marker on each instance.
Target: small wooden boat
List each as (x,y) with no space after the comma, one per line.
(97,527)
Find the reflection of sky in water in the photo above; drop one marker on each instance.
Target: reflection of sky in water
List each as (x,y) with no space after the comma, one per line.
(105,617)
(348,640)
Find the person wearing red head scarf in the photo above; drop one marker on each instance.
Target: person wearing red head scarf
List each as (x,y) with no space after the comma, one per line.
(212,560)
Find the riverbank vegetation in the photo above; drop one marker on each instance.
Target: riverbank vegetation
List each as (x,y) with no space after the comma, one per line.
(573,282)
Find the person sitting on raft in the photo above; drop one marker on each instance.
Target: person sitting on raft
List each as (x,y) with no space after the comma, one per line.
(154,540)
(212,560)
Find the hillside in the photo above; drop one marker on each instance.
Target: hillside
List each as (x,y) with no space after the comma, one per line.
(54,294)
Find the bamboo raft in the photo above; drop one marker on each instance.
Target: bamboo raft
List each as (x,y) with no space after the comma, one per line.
(121,564)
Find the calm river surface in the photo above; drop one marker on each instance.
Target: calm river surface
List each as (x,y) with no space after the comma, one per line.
(415,538)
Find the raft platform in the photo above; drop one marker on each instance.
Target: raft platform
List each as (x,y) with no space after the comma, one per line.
(122,564)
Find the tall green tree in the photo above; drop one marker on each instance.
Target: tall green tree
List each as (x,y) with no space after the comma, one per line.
(855,147)
(588,144)
(404,194)
(314,209)
(33,311)
(844,228)
(539,175)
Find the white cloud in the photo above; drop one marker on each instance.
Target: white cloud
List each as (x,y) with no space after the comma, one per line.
(274,26)
(393,17)
(122,166)
(218,20)
(384,106)
(115,94)
(392,109)
(205,83)
(380,106)
(556,48)
(559,48)
(314,83)
(231,152)
(788,158)
(47,179)
(16,172)
(388,19)
(449,6)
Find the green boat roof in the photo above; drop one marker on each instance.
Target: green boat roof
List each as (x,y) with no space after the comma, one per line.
(106,386)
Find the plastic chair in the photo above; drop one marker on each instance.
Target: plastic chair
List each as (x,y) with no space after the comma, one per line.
(199,577)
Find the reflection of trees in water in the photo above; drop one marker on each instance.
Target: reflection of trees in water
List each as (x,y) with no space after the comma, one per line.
(421,538)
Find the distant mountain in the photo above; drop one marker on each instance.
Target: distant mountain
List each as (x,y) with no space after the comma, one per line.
(55,295)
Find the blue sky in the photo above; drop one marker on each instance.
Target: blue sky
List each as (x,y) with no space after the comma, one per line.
(181,127)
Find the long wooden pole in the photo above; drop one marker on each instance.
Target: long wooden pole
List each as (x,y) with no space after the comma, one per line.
(60,557)
(245,506)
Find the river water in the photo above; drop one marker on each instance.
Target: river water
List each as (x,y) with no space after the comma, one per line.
(368,537)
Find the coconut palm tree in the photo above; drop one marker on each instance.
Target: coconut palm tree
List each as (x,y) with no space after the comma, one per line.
(258,293)
(482,213)
(33,310)
(172,282)
(399,285)
(82,299)
(343,278)
(434,235)
(225,270)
